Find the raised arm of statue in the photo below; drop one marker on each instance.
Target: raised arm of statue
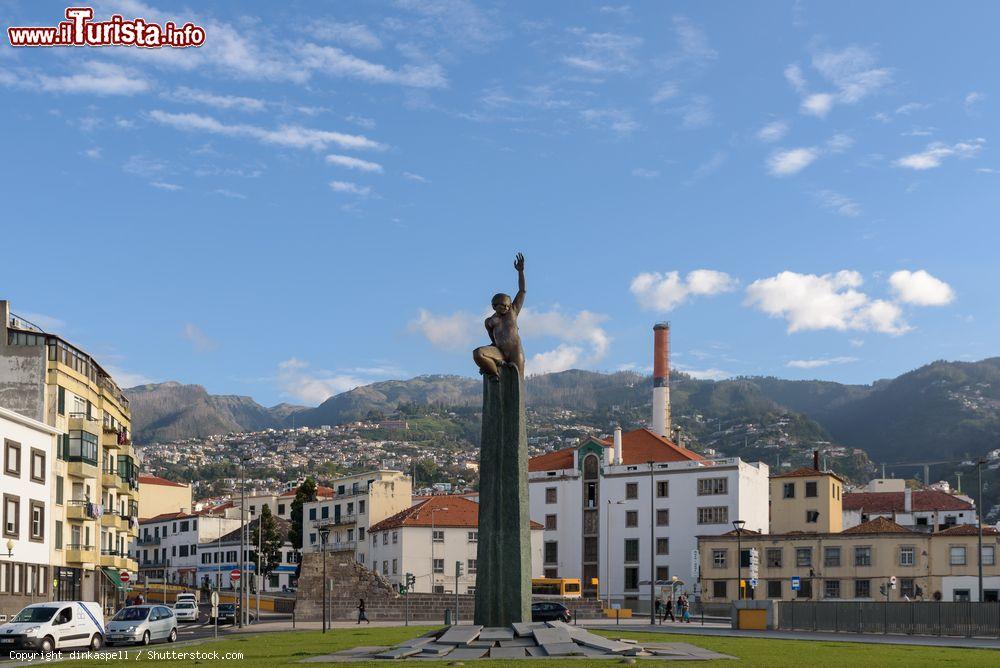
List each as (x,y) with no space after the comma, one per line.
(519,297)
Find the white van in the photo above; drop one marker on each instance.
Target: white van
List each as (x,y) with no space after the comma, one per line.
(186,596)
(52,626)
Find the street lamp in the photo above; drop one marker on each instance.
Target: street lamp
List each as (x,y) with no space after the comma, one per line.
(979,514)
(652,546)
(738,525)
(324,534)
(607,567)
(10,549)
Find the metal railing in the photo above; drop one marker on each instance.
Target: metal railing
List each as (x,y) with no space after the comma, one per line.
(901,617)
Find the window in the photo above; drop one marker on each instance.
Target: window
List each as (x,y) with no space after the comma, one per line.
(805,589)
(59,536)
(831,556)
(959,596)
(989,555)
(631,577)
(437,536)
(907,587)
(324,512)
(37,465)
(281,509)
(812,516)
(632,490)
(37,521)
(708,486)
(439,565)
(82,447)
(385,537)
(551,552)
(713,515)
(803,557)
(395,537)
(12,458)
(772,556)
(907,556)
(719,558)
(862,589)
(438,589)
(361,507)
(663,573)
(631,549)
(719,589)
(11,516)
(788,491)
(663,546)
(812,493)
(473,536)
(361,533)
(831,589)
(774,588)
(550,523)
(470,566)
(61,401)
(957,555)
(631,518)
(663,517)
(312,514)
(662,489)
(551,495)
(60,495)
(863,556)
(385,567)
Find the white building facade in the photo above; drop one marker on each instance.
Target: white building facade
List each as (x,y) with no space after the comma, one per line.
(168,545)
(926,510)
(218,558)
(611,517)
(429,539)
(27,494)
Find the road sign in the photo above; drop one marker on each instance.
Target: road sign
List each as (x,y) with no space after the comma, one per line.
(796,583)
(753,583)
(215,598)
(235,574)
(892,581)
(695,562)
(124,576)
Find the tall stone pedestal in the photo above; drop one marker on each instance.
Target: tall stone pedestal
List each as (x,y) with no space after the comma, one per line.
(503,575)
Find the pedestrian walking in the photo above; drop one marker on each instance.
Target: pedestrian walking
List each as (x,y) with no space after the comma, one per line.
(362,617)
(685,609)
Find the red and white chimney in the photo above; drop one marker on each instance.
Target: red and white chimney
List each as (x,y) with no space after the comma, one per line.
(661,379)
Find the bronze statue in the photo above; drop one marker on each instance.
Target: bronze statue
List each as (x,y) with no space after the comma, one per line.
(502,328)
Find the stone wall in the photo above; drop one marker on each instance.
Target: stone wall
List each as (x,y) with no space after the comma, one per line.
(352,582)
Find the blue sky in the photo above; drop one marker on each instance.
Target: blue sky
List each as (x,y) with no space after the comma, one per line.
(328,194)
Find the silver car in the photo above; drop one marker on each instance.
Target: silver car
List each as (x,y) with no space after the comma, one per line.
(142,624)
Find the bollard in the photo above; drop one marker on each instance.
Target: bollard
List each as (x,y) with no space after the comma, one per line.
(447,616)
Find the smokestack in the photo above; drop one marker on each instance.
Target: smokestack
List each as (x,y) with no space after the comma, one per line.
(816,460)
(661,379)
(618,445)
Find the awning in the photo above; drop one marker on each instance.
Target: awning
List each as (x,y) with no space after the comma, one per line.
(112,574)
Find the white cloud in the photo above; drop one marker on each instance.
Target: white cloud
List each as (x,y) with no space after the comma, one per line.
(773,131)
(839,143)
(974,98)
(793,74)
(936,152)
(333,61)
(817,104)
(618,121)
(47,323)
(192,96)
(853,72)
(820,362)
(705,374)
(361,121)
(166,185)
(841,204)
(198,339)
(920,288)
(126,379)
(603,52)
(354,163)
(228,193)
(291,136)
(452,332)
(693,51)
(664,292)
(355,35)
(791,161)
(665,92)
(830,301)
(410,176)
(350,188)
(93,77)
(710,166)
(561,358)
(298,381)
(644,173)
(93,153)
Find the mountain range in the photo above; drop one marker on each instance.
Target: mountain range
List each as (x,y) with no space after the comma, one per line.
(941,411)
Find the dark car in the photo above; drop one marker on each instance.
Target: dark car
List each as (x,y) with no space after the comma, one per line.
(227,614)
(548,611)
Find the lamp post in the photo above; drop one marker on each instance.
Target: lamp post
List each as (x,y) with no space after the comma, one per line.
(243,539)
(738,525)
(979,514)
(324,534)
(607,567)
(652,546)
(433,511)
(10,549)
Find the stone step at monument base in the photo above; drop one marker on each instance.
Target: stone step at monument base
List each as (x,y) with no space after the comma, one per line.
(521,641)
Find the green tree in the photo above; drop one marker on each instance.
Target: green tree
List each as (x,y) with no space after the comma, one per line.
(266,535)
(304,494)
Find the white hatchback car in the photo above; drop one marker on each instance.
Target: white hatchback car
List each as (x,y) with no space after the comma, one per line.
(142,624)
(186,611)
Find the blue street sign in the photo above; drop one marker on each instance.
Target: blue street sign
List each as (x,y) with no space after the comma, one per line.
(796,583)
(753,583)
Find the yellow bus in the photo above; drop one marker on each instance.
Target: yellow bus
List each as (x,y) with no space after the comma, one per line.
(555,588)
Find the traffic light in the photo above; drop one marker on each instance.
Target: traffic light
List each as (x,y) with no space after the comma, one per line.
(410,581)
(458,569)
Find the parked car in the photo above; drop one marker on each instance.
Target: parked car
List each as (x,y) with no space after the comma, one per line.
(186,611)
(47,627)
(187,596)
(548,611)
(227,614)
(142,624)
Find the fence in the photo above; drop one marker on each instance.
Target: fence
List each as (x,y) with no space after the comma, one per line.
(912,618)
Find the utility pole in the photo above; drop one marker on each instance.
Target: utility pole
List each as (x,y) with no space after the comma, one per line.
(458,574)
(738,525)
(258,578)
(652,546)
(979,514)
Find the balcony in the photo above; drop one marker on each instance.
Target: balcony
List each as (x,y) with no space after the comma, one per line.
(77,553)
(109,558)
(82,468)
(122,484)
(80,509)
(152,540)
(110,519)
(109,478)
(336,521)
(85,423)
(347,545)
(109,439)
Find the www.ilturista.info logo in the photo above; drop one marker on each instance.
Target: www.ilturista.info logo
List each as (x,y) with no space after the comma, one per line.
(80,30)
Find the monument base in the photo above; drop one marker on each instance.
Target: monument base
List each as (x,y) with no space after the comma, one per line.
(503,568)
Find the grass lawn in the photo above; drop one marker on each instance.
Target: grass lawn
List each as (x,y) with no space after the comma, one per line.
(286,649)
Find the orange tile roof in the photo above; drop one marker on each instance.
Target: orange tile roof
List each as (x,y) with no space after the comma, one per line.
(447,511)
(967,530)
(920,500)
(638,447)
(156,480)
(877,525)
(807,472)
